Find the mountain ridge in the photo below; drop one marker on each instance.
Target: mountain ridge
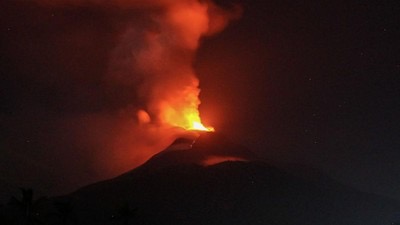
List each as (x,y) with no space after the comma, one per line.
(176,187)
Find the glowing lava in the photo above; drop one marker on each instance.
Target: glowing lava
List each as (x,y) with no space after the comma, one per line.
(199,126)
(164,61)
(181,108)
(174,115)
(187,118)
(212,160)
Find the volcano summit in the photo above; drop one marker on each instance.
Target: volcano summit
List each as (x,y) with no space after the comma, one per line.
(177,187)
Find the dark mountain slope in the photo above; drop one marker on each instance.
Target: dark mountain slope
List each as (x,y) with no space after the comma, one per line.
(173,188)
(176,186)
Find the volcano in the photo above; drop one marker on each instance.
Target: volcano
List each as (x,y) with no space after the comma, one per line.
(176,186)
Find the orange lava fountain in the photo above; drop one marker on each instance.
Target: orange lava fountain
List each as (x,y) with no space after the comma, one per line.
(169,85)
(184,114)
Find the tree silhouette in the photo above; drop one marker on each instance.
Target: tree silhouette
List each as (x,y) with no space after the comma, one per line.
(27,206)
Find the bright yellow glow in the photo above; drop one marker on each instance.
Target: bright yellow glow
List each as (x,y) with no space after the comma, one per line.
(189,120)
(199,126)
(182,111)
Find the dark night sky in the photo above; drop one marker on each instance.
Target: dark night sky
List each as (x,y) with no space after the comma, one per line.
(299,82)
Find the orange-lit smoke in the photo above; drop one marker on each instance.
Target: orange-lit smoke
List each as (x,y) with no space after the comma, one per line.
(170,85)
(162,60)
(152,58)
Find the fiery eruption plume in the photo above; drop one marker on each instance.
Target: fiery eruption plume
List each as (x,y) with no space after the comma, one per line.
(172,92)
(148,86)
(157,55)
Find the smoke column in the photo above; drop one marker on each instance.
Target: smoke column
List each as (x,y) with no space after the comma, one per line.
(156,60)
(152,59)
(159,58)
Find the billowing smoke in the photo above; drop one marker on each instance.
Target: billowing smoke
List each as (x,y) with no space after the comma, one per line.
(155,61)
(157,58)
(151,63)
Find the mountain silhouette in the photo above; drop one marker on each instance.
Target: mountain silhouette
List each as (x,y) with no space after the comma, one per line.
(176,186)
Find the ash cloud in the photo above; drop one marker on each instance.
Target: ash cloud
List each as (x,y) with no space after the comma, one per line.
(79,76)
